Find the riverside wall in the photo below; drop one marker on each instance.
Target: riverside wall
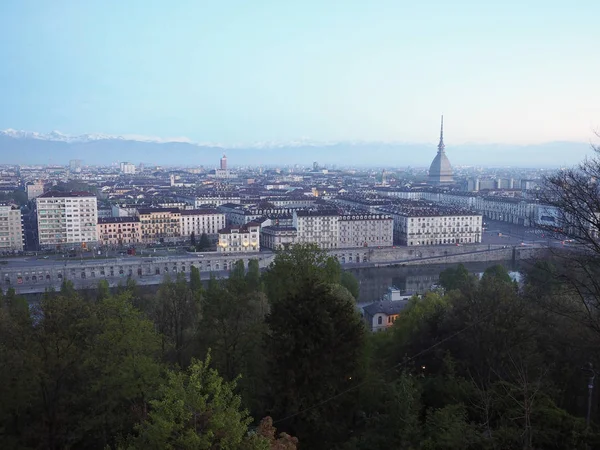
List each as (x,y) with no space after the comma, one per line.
(37,276)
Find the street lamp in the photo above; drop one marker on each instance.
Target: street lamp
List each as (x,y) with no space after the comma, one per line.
(590,369)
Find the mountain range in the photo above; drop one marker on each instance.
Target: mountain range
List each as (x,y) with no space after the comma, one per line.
(27,147)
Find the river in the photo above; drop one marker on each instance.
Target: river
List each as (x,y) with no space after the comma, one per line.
(375,281)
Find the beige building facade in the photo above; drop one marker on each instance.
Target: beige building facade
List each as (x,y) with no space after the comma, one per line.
(239,238)
(159,225)
(11,229)
(118,231)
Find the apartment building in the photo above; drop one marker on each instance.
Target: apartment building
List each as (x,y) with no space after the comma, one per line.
(425,224)
(239,214)
(239,238)
(317,226)
(159,224)
(275,237)
(216,199)
(67,219)
(118,231)
(362,229)
(199,221)
(11,228)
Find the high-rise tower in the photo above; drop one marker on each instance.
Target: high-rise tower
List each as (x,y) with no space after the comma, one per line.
(224,162)
(440,171)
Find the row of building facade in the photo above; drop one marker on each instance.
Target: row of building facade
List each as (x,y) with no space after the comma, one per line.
(71,219)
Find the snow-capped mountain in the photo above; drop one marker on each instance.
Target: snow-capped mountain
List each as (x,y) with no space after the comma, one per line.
(29,147)
(57,136)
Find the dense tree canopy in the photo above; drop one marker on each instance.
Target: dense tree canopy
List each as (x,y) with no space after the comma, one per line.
(480,364)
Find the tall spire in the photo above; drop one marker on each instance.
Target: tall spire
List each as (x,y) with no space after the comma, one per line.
(441,145)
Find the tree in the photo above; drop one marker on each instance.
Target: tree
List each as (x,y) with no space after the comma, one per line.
(193,239)
(292,268)
(253,277)
(455,277)
(196,283)
(314,347)
(195,409)
(204,243)
(349,281)
(498,273)
(175,314)
(232,326)
(268,431)
(20,197)
(573,200)
(123,372)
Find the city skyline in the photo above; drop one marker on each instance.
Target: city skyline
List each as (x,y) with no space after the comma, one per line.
(239,74)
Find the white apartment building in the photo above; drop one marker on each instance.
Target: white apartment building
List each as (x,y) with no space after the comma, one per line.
(199,221)
(317,226)
(365,230)
(243,238)
(277,238)
(431,225)
(11,228)
(216,199)
(67,218)
(127,168)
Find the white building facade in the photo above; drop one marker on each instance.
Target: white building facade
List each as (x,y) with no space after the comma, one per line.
(67,218)
(238,239)
(317,227)
(277,238)
(365,230)
(199,221)
(435,226)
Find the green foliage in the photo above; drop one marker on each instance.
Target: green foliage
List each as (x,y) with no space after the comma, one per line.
(314,348)
(175,313)
(195,409)
(292,269)
(350,282)
(498,273)
(204,243)
(17,196)
(455,278)
(477,365)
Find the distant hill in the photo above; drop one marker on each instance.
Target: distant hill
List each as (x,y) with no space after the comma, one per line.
(18,147)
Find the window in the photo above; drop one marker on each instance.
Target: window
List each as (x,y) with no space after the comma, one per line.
(379,320)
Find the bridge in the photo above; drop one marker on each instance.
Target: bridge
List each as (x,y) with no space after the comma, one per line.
(35,275)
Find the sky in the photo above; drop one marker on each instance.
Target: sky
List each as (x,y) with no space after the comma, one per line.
(238,72)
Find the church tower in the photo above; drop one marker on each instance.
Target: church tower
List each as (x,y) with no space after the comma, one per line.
(440,171)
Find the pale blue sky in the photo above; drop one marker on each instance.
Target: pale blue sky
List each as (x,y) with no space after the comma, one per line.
(243,71)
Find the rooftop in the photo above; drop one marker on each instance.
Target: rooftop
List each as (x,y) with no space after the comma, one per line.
(73,194)
(107,220)
(388,307)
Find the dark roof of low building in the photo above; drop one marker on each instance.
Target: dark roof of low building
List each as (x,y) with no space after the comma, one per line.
(107,220)
(278,228)
(238,228)
(388,307)
(316,212)
(157,210)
